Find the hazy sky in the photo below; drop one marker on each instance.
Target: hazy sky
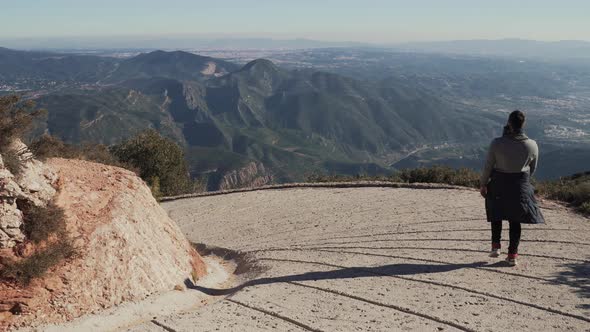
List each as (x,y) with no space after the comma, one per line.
(339,20)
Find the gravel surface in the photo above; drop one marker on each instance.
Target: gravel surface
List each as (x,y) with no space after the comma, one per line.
(385,259)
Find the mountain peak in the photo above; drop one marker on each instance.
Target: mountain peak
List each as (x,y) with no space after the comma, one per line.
(178,65)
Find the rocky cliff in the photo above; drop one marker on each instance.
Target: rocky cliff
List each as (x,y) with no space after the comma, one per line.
(127,248)
(253,174)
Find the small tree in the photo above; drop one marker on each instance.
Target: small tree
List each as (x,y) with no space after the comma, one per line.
(16,119)
(160,162)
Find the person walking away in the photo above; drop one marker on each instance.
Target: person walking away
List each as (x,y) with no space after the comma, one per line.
(505,184)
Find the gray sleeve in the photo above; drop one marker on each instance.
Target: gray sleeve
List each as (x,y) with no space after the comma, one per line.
(489,165)
(534,158)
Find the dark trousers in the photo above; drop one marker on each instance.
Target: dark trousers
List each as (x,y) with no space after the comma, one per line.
(515,231)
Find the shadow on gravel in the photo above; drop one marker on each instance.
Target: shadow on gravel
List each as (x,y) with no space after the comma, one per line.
(345,273)
(501,263)
(578,277)
(245,263)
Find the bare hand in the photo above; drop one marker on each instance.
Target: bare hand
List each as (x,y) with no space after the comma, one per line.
(483,190)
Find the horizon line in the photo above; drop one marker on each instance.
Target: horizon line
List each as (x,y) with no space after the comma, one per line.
(278,39)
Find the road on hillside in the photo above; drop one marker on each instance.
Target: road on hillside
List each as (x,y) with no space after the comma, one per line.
(385,259)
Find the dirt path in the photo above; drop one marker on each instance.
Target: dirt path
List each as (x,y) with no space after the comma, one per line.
(385,259)
(148,311)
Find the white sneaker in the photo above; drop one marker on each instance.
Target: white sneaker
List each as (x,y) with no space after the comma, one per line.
(495,253)
(511,261)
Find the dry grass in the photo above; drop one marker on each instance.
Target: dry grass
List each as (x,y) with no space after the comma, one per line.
(37,265)
(42,222)
(48,146)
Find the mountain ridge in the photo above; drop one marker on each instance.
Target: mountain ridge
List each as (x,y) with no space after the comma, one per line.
(291,121)
(294,121)
(175,64)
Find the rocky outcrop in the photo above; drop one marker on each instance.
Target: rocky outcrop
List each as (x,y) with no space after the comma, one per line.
(11,219)
(252,175)
(34,185)
(127,247)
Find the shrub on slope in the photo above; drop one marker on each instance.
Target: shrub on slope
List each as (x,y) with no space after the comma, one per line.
(48,146)
(574,190)
(16,118)
(159,160)
(435,174)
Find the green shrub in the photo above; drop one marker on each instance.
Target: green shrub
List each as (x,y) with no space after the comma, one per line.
(436,174)
(323,178)
(440,174)
(581,193)
(574,190)
(154,184)
(156,157)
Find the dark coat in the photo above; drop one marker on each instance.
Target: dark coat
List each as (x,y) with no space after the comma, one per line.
(512,197)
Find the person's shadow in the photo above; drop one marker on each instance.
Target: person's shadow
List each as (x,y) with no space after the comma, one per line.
(577,276)
(344,273)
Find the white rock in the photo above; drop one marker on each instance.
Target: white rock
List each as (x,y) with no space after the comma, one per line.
(11,217)
(11,220)
(33,185)
(36,182)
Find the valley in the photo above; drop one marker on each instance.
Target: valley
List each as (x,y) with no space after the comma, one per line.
(303,112)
